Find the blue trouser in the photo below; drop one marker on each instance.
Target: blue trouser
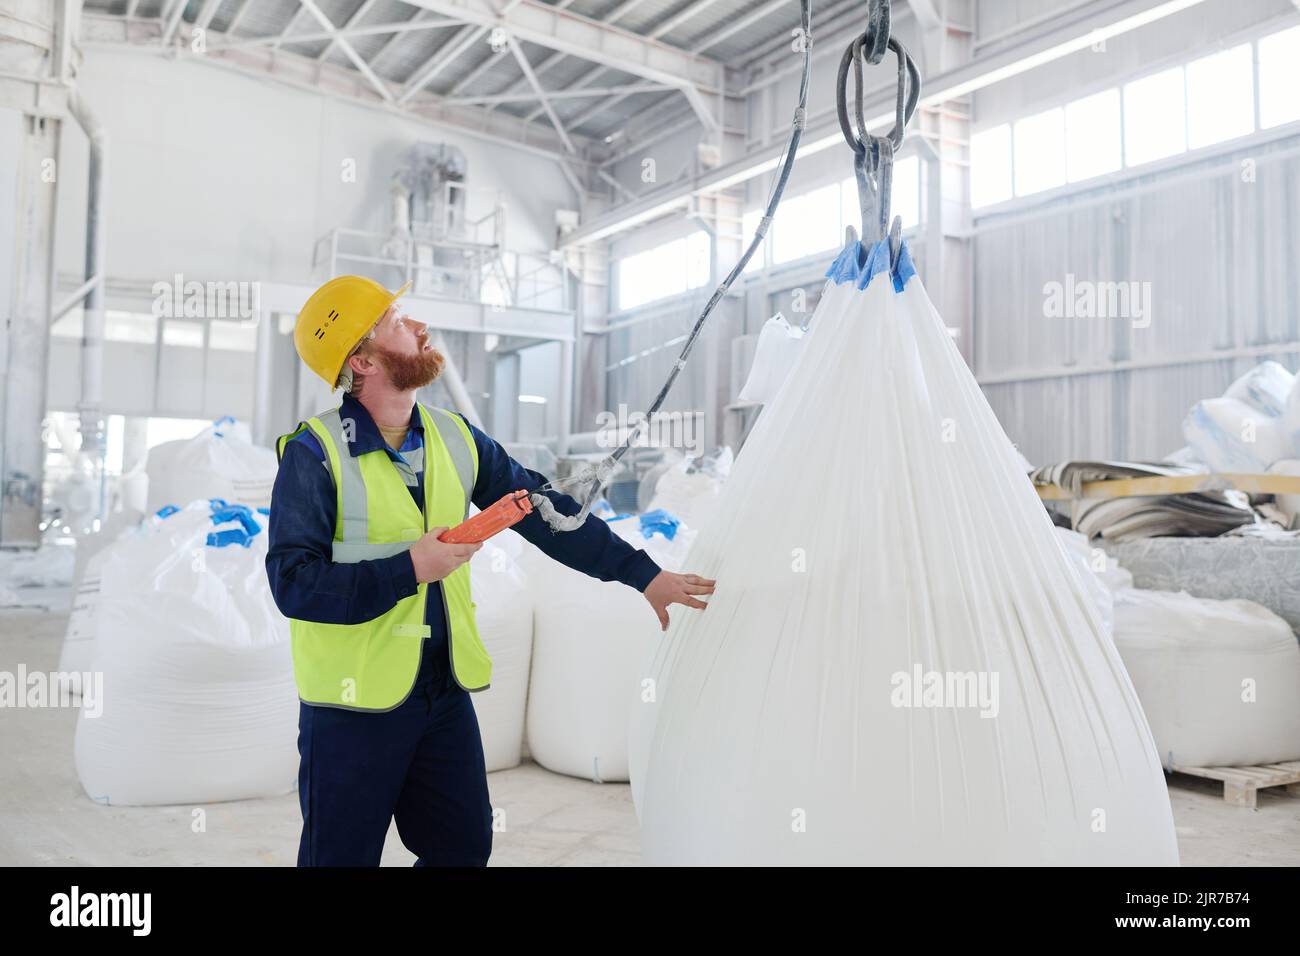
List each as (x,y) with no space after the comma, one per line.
(421,763)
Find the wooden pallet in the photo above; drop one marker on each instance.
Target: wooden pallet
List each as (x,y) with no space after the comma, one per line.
(1267,484)
(1241,784)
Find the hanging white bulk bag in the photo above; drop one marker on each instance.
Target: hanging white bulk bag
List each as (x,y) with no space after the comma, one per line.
(219,462)
(591,643)
(1099,573)
(899,665)
(1219,680)
(504,613)
(198,698)
(1231,436)
(774,356)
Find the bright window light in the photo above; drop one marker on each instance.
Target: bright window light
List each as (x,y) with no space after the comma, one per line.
(850,213)
(1092,136)
(159,430)
(670,269)
(186,335)
(232,336)
(806,224)
(1154,117)
(1220,97)
(747,226)
(137,328)
(1279,78)
(1040,151)
(990,166)
(906,201)
(696,248)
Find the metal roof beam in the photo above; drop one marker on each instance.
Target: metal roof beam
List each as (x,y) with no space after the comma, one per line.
(397,29)
(624,8)
(566,32)
(541,93)
(495,99)
(661,30)
(465,38)
(362,66)
(351,22)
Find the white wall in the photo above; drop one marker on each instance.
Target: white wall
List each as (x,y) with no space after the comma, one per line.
(222,176)
(1216,250)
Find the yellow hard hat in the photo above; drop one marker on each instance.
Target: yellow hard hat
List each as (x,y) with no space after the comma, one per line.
(336,318)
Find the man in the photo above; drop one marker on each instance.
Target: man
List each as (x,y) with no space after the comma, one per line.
(385,646)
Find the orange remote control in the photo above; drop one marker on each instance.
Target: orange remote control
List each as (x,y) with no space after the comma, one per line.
(508,511)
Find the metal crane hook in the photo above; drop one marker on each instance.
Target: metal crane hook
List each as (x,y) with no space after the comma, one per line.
(873,156)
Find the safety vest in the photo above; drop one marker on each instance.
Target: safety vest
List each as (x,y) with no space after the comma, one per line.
(372,666)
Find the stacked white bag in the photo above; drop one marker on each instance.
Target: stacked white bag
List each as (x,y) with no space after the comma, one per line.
(778,349)
(504,612)
(220,462)
(1248,429)
(689,490)
(198,698)
(1219,681)
(592,643)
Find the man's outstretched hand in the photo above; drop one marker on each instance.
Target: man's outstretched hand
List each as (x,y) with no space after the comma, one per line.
(669,588)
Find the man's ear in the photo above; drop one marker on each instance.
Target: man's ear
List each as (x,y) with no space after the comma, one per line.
(361,364)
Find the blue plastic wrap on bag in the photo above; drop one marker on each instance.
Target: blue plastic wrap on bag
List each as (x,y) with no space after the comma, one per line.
(243,535)
(661,522)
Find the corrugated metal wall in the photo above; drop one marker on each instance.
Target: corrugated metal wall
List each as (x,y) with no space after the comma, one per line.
(1221,254)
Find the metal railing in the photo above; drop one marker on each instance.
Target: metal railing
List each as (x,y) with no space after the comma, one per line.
(463,269)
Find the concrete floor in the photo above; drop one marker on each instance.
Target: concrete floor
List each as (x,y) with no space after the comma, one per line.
(550,820)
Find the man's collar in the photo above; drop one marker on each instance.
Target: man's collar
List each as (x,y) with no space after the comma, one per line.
(365,436)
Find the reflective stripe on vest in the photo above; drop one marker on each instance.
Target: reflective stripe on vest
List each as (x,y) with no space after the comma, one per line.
(372,666)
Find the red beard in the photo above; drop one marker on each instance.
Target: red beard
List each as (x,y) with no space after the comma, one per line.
(407,372)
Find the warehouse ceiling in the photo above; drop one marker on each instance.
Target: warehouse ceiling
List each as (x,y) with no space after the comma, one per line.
(576,69)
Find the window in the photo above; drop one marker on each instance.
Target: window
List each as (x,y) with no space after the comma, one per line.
(68,325)
(1220,97)
(747,226)
(990,166)
(188,335)
(850,211)
(806,224)
(159,430)
(1092,136)
(232,336)
(1155,117)
(697,259)
(670,269)
(1040,151)
(136,327)
(1279,78)
(906,200)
